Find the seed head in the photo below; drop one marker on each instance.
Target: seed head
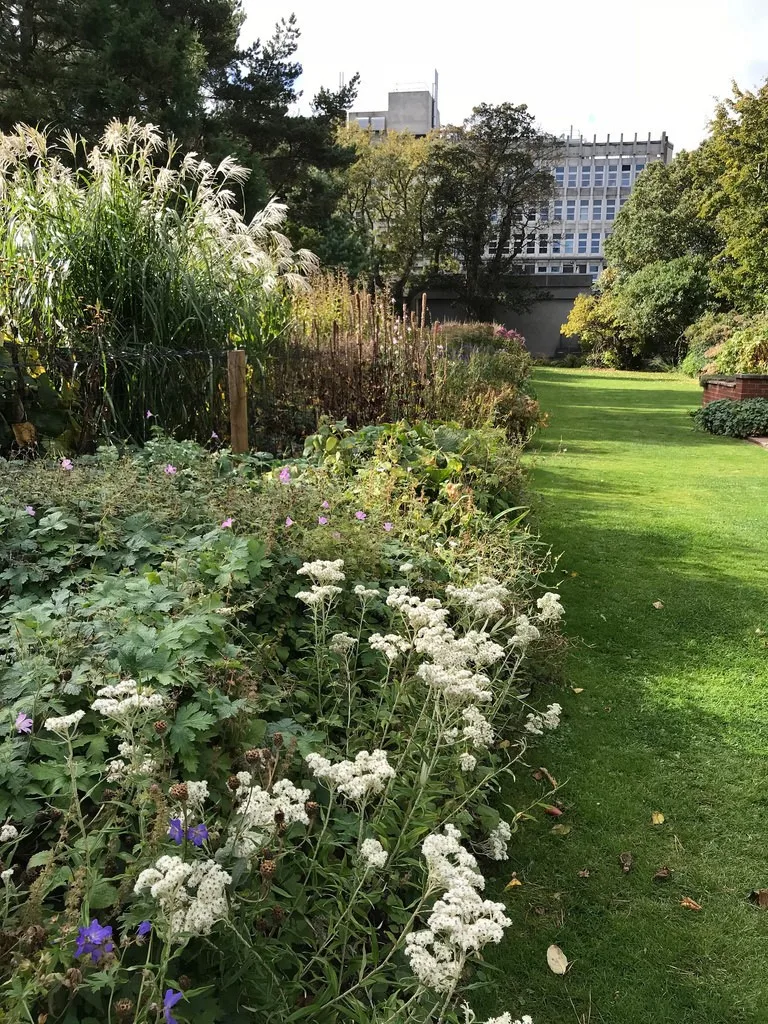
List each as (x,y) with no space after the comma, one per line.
(179,792)
(233,782)
(267,869)
(160,727)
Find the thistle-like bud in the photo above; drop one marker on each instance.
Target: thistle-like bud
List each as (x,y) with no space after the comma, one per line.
(160,727)
(277,740)
(233,782)
(267,869)
(179,792)
(124,1009)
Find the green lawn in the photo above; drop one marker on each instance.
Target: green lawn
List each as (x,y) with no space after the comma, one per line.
(673,717)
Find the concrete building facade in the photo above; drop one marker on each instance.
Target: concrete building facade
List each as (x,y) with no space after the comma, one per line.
(593,181)
(409,110)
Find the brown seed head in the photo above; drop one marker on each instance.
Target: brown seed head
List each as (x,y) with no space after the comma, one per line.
(65,675)
(73,977)
(277,740)
(267,869)
(233,782)
(312,807)
(185,982)
(279,817)
(124,1008)
(278,913)
(160,727)
(179,792)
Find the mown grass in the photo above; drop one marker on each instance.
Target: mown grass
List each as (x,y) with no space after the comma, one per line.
(673,717)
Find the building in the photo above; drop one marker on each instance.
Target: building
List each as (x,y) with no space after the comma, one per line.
(593,180)
(414,111)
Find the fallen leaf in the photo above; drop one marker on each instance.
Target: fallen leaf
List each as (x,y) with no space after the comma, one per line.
(603,617)
(504,744)
(658,604)
(550,778)
(540,911)
(538,776)
(574,574)
(759,897)
(663,874)
(578,689)
(625,859)
(560,830)
(555,812)
(657,818)
(557,960)
(512,883)
(689,904)
(584,873)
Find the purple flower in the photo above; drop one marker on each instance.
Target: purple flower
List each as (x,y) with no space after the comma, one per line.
(94,941)
(285,475)
(175,831)
(326,504)
(144,929)
(170,470)
(227,524)
(197,834)
(148,414)
(23,723)
(387,527)
(169,1001)
(322,521)
(66,464)
(288,521)
(360,515)
(214,436)
(29,510)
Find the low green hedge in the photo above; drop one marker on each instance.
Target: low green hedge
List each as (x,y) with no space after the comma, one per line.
(748,418)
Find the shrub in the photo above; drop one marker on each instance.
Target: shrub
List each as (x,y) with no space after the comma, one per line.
(748,418)
(254,716)
(707,333)
(746,350)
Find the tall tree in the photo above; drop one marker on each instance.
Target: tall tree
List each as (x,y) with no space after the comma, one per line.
(490,178)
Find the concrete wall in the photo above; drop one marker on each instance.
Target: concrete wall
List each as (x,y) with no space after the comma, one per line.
(410,111)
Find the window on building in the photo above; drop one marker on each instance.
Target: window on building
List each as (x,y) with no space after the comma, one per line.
(570,209)
(543,245)
(556,244)
(530,246)
(582,241)
(532,213)
(581,268)
(622,201)
(599,174)
(507,248)
(544,213)
(559,175)
(583,209)
(493,245)
(597,209)
(594,269)
(568,242)
(541,268)
(613,173)
(572,173)
(639,167)
(558,209)
(610,209)
(567,268)
(554,268)
(594,242)
(626,174)
(586,176)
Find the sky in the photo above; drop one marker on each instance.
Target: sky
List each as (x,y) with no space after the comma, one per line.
(630,66)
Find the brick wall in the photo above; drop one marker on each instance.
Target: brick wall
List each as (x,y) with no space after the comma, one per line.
(742,385)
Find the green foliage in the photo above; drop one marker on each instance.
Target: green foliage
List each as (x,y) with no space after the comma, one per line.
(704,338)
(747,418)
(746,349)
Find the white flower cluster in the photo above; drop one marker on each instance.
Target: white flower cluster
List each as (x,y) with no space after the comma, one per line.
(192,896)
(318,595)
(536,724)
(467,762)
(124,698)
(8,833)
(525,633)
(417,613)
(461,922)
(6,875)
(365,593)
(458,685)
(550,609)
(323,572)
(484,599)
(506,1018)
(441,644)
(366,776)
(498,840)
(390,645)
(258,813)
(342,643)
(65,724)
(478,731)
(373,853)
(120,768)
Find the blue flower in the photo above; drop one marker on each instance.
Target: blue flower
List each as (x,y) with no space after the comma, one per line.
(175,831)
(94,941)
(144,929)
(197,834)
(169,1001)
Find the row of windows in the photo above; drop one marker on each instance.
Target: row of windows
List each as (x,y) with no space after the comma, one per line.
(601,209)
(585,175)
(568,268)
(568,243)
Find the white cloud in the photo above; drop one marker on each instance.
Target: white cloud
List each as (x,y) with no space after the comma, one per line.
(621,67)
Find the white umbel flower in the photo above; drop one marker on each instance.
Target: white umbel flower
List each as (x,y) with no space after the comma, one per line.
(342,643)
(550,719)
(65,725)
(8,833)
(390,645)
(192,896)
(365,593)
(255,822)
(467,762)
(323,572)
(470,1017)
(460,686)
(483,600)
(122,700)
(478,731)
(6,875)
(318,594)
(498,841)
(550,609)
(356,780)
(373,853)
(525,633)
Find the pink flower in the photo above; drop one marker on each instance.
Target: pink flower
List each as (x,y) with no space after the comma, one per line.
(23,723)
(361,516)
(326,504)
(227,523)
(148,414)
(285,475)
(214,436)
(29,510)
(387,527)
(67,464)
(288,521)
(322,521)
(170,470)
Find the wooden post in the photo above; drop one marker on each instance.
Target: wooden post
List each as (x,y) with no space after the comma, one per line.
(238,404)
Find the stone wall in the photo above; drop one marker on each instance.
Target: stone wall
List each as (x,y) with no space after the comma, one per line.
(735,388)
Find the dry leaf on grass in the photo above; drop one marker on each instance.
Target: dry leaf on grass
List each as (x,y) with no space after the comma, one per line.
(584,873)
(550,778)
(690,904)
(658,604)
(512,883)
(560,830)
(759,897)
(557,960)
(578,689)
(657,818)
(663,874)
(625,859)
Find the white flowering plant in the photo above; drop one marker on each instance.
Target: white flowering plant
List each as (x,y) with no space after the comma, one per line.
(251,770)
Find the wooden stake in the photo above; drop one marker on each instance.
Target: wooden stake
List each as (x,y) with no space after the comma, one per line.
(238,403)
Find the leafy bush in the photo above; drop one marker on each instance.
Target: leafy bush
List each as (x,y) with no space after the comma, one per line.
(747,418)
(461,339)
(704,338)
(254,717)
(746,350)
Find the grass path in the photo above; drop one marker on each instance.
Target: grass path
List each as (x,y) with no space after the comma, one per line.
(673,717)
